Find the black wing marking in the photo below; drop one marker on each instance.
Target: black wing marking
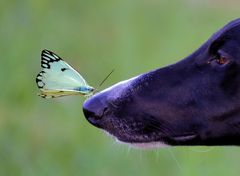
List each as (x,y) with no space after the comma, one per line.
(48,57)
(39,81)
(64,69)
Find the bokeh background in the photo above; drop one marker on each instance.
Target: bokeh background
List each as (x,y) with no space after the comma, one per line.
(41,137)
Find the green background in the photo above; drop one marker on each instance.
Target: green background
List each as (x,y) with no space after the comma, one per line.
(52,137)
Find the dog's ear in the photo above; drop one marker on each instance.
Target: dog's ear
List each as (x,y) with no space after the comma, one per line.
(216,45)
(228,34)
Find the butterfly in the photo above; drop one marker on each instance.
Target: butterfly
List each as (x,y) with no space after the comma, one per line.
(58,79)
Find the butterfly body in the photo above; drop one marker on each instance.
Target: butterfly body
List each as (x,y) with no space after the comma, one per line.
(58,79)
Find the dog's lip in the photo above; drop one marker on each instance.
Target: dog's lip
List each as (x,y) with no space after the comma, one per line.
(184,137)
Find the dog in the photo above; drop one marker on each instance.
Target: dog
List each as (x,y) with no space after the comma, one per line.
(195,101)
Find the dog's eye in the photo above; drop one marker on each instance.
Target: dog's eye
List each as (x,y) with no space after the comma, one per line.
(220,59)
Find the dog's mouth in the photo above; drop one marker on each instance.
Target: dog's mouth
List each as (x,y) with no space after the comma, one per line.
(125,130)
(141,134)
(138,134)
(139,138)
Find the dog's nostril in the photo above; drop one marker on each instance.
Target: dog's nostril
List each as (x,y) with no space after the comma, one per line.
(88,113)
(94,109)
(92,118)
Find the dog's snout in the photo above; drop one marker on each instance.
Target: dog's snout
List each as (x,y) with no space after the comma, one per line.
(99,105)
(93,109)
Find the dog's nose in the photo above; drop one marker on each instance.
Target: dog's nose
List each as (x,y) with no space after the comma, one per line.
(93,109)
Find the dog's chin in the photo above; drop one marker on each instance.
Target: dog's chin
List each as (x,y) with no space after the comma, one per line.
(139,145)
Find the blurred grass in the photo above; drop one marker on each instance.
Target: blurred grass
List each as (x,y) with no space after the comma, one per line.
(51,137)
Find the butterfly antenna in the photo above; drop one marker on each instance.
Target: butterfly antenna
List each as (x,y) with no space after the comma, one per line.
(105,79)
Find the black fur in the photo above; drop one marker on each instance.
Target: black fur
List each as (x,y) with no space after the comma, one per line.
(193,102)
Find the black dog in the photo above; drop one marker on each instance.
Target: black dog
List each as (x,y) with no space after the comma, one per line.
(193,102)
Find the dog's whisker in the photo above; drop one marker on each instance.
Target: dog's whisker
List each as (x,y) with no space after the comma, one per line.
(175,160)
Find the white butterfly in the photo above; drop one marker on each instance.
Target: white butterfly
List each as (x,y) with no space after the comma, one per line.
(58,79)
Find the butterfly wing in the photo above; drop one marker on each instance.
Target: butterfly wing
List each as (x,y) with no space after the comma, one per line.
(56,93)
(57,78)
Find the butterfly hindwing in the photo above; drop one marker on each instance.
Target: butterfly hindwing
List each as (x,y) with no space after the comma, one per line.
(39,81)
(57,78)
(56,93)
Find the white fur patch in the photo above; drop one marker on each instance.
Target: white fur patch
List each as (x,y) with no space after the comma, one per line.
(150,145)
(120,85)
